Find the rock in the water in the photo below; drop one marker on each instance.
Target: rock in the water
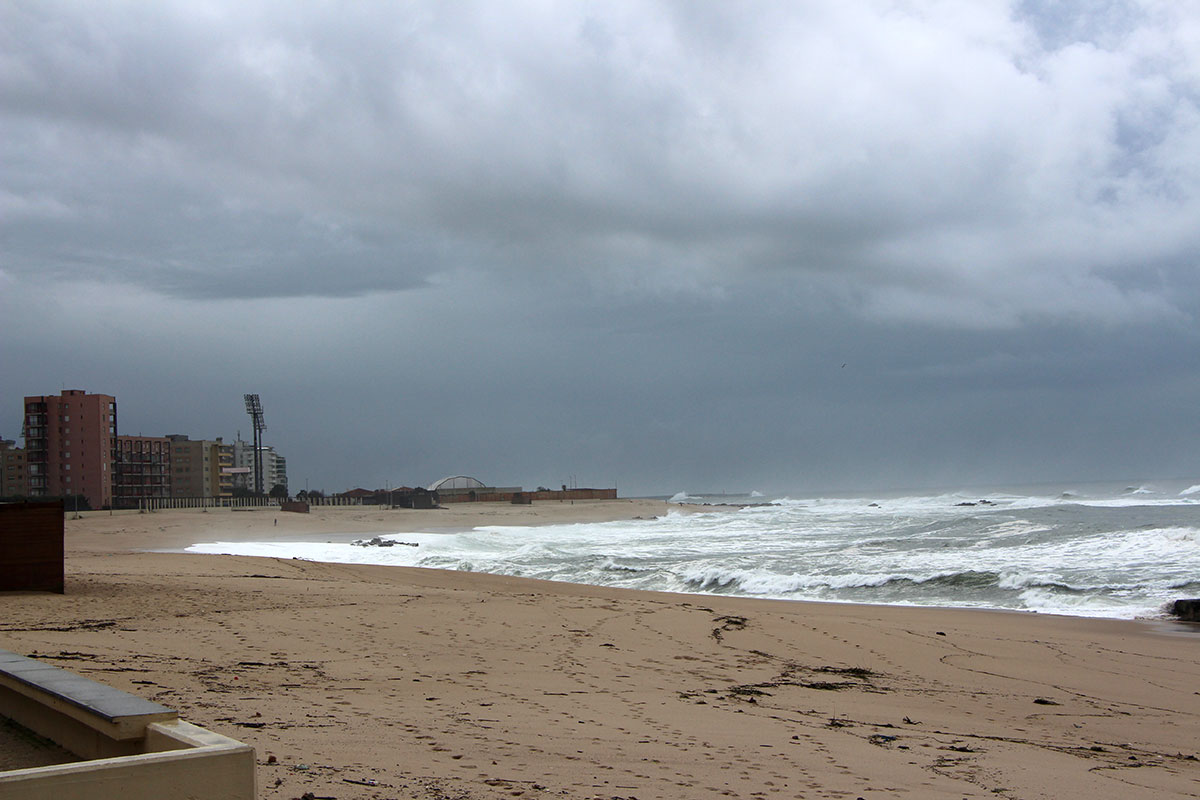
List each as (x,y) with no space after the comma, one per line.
(381,542)
(376,542)
(1187,610)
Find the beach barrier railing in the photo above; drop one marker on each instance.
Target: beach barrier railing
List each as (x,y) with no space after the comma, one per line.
(166,503)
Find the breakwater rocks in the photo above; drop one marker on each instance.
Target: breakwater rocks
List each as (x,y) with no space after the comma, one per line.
(1187,610)
(381,542)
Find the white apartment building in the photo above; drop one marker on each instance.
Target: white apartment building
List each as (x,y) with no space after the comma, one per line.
(274,467)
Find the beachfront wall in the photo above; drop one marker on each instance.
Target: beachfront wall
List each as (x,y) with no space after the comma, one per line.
(161,503)
(31,547)
(505,495)
(333,500)
(410,499)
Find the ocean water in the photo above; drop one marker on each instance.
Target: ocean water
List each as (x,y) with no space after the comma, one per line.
(1121,551)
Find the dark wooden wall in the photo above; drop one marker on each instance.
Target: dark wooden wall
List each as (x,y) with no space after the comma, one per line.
(31,547)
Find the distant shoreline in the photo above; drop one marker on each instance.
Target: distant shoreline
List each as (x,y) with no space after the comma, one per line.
(175,529)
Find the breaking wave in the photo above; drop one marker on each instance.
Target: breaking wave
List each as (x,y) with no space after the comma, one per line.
(1123,552)
(772,585)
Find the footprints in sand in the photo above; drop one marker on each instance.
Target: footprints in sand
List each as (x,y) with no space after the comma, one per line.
(473,694)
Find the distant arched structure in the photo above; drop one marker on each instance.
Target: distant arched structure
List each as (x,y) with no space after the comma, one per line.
(456,483)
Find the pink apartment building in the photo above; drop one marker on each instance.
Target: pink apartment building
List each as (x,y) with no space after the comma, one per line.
(70,445)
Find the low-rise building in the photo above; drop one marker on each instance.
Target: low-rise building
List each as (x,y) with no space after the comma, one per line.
(14,473)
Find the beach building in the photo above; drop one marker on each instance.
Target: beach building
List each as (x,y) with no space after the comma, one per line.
(274,467)
(198,467)
(70,445)
(142,470)
(14,471)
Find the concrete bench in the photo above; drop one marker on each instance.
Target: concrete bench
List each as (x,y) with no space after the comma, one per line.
(132,748)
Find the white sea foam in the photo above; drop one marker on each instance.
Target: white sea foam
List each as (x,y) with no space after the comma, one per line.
(1132,501)
(1096,553)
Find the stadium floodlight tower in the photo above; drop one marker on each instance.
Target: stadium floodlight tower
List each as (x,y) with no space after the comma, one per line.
(254,409)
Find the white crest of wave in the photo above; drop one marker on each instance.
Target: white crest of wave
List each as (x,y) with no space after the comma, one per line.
(753,582)
(680,497)
(765,583)
(1189,536)
(1083,605)
(1130,500)
(1023,580)
(756,493)
(1190,490)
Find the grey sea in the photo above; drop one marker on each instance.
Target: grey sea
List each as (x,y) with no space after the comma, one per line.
(1120,551)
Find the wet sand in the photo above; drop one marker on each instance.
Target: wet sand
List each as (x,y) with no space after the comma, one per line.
(451,685)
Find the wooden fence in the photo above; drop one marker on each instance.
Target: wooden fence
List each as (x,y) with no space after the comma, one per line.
(31,547)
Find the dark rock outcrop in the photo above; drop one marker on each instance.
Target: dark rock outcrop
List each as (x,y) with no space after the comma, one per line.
(1188,610)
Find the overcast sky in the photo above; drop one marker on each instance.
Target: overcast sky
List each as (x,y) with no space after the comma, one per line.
(668,245)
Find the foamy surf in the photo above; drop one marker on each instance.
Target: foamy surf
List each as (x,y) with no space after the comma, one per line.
(1122,552)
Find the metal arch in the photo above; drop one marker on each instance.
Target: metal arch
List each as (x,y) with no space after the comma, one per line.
(471,483)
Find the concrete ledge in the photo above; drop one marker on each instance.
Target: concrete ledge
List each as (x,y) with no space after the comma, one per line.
(134,748)
(90,719)
(195,763)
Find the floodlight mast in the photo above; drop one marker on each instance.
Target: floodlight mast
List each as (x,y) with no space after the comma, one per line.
(254,409)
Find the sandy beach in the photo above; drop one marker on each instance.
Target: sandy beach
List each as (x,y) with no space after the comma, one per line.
(386,682)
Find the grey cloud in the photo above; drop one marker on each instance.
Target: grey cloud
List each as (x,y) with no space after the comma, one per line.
(672,221)
(778,142)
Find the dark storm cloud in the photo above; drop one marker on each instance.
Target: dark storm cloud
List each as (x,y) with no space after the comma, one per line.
(922,154)
(503,219)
